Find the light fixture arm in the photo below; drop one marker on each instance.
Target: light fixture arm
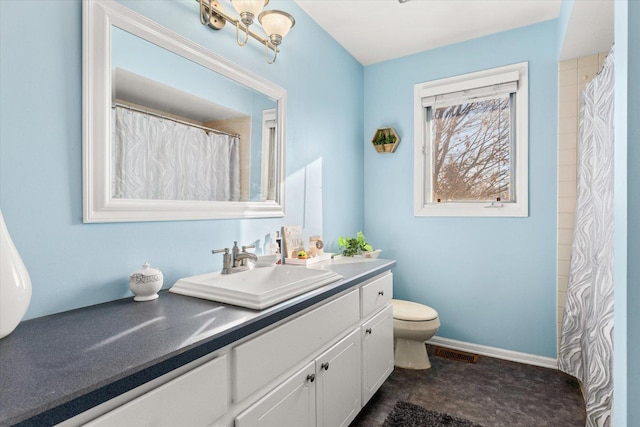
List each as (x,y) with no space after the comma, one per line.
(246,35)
(266,52)
(205,15)
(208,11)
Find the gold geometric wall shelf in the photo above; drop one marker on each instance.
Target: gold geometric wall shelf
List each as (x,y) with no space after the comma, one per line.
(385,140)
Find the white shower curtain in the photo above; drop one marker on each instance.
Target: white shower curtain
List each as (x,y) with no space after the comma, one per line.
(586,346)
(161,159)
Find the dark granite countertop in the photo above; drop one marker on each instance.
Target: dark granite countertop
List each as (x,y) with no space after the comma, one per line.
(55,367)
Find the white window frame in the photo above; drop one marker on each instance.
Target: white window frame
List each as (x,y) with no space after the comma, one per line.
(423,151)
(269,122)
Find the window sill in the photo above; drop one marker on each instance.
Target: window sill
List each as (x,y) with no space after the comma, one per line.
(473,210)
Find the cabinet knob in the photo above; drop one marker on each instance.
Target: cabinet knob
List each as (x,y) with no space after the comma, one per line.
(381,293)
(368,331)
(325,366)
(311,377)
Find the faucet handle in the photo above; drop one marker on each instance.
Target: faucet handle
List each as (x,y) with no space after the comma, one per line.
(226,260)
(251,246)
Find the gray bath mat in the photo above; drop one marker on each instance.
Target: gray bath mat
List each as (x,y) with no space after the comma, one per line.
(407,414)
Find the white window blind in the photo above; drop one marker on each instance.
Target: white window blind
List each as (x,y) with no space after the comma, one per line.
(470,95)
(476,90)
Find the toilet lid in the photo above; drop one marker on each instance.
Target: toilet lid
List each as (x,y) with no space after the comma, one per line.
(412,311)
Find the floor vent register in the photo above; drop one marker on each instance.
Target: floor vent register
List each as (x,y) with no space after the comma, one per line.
(462,356)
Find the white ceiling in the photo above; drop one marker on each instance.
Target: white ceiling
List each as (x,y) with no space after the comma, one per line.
(142,91)
(590,29)
(378,30)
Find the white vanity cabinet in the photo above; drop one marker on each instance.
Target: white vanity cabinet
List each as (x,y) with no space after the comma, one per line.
(326,392)
(338,398)
(316,368)
(376,293)
(377,351)
(270,355)
(377,333)
(293,403)
(342,378)
(196,398)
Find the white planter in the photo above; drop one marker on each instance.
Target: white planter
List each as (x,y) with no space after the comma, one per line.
(370,254)
(15,283)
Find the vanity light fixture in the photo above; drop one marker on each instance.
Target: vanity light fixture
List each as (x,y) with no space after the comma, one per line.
(275,23)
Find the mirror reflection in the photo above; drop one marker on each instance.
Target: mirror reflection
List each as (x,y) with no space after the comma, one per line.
(180,131)
(171,130)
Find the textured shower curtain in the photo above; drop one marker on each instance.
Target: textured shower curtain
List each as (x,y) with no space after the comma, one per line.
(586,345)
(161,159)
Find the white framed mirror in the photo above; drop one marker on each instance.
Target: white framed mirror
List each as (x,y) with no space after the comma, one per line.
(171,130)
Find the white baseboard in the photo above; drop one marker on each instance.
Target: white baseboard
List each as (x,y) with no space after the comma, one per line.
(498,353)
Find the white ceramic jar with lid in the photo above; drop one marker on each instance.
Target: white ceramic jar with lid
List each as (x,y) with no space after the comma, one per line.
(145,283)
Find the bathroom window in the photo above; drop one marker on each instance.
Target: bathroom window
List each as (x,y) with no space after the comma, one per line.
(470,148)
(270,155)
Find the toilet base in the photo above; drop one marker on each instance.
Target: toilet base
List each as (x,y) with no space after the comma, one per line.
(410,354)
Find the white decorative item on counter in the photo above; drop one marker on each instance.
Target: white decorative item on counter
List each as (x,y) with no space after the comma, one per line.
(292,242)
(15,283)
(316,246)
(145,283)
(369,254)
(273,247)
(267,260)
(308,261)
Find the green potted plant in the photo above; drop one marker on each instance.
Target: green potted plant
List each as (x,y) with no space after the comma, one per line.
(389,141)
(378,141)
(357,246)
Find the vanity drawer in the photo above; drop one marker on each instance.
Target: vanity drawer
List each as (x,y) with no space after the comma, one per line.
(264,358)
(376,294)
(196,398)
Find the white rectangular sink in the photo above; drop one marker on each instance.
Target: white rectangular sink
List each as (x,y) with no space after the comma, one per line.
(257,289)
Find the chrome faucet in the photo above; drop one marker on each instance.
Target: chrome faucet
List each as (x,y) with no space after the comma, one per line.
(241,258)
(237,260)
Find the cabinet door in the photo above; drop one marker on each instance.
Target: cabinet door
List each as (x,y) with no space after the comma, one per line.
(377,352)
(293,403)
(291,343)
(338,382)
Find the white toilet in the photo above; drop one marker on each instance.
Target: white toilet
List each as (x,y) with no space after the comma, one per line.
(413,324)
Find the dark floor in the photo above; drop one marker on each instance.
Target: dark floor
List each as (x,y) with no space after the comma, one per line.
(492,392)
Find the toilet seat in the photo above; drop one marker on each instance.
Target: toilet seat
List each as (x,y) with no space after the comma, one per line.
(412,311)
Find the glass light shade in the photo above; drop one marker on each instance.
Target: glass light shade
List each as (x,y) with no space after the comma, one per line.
(276,22)
(251,6)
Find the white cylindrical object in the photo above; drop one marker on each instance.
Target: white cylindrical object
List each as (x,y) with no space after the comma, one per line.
(15,283)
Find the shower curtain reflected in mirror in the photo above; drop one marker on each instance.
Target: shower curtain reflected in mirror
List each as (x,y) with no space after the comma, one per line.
(160,159)
(586,345)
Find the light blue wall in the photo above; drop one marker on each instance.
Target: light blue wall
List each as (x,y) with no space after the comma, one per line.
(492,280)
(74,264)
(626,372)
(633,224)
